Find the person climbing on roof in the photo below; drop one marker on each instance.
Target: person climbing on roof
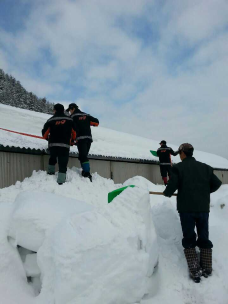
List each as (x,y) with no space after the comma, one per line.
(82,122)
(164,153)
(60,132)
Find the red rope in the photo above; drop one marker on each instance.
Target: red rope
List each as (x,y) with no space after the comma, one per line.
(25,134)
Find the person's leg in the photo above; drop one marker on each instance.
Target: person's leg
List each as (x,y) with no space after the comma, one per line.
(188,229)
(163,174)
(63,157)
(204,243)
(169,170)
(83,149)
(189,243)
(52,161)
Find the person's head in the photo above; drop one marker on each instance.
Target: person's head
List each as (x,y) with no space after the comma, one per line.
(72,108)
(58,108)
(185,150)
(163,142)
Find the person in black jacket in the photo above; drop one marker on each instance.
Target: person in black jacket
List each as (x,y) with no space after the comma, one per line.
(194,181)
(82,122)
(60,132)
(164,153)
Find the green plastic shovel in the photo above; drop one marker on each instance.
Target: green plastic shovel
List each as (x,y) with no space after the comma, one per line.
(154,153)
(116,192)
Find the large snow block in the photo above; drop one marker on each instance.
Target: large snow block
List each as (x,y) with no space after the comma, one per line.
(35,213)
(101,256)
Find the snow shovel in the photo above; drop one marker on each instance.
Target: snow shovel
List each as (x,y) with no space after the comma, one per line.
(113,194)
(154,153)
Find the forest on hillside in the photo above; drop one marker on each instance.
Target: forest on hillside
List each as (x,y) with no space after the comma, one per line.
(12,93)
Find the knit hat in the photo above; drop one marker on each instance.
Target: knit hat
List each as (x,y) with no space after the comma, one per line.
(72,106)
(59,108)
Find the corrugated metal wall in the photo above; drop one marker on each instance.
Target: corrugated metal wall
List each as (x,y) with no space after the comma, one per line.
(17,166)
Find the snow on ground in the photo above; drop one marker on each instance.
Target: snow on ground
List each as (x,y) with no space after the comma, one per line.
(106,254)
(106,142)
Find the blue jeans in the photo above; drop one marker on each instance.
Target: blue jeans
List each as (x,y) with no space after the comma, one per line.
(188,223)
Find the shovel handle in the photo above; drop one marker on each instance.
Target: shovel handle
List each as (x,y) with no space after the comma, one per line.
(160,193)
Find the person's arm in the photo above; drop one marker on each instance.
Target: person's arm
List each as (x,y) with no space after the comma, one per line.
(215,183)
(173,183)
(46,130)
(93,121)
(158,152)
(174,153)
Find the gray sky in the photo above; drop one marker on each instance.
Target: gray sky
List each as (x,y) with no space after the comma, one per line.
(157,69)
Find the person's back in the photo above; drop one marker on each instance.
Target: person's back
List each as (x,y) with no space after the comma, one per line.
(60,129)
(83,121)
(195,183)
(164,153)
(60,132)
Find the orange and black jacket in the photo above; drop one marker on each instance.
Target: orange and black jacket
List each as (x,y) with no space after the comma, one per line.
(59,130)
(82,123)
(164,153)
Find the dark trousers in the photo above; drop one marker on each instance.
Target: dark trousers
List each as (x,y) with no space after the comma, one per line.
(188,223)
(165,169)
(62,154)
(83,149)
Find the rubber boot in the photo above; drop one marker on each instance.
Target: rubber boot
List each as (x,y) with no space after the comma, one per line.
(86,170)
(51,170)
(206,261)
(61,178)
(193,264)
(165,180)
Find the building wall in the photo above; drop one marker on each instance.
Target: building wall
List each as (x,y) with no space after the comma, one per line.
(17,166)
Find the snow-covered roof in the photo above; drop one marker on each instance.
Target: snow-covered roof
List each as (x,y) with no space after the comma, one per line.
(106,142)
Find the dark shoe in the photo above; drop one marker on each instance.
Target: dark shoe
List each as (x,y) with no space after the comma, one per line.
(50,173)
(206,261)
(193,264)
(87,174)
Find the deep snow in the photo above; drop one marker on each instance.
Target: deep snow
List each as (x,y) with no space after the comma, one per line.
(127,217)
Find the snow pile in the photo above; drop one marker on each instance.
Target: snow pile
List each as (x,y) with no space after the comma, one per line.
(85,253)
(106,254)
(31,220)
(101,256)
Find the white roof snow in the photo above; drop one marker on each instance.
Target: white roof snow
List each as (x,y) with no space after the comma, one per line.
(106,142)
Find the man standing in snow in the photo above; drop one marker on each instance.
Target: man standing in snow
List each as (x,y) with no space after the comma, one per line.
(84,139)
(164,153)
(60,132)
(194,181)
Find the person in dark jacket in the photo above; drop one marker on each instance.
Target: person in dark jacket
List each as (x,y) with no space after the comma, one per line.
(164,153)
(194,181)
(82,122)
(60,132)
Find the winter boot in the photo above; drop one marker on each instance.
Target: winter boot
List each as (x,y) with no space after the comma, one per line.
(86,170)
(51,170)
(61,178)
(165,180)
(206,261)
(193,264)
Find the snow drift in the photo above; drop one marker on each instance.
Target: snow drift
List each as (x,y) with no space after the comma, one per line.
(86,252)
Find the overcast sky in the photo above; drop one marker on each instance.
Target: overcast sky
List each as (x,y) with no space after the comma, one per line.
(154,68)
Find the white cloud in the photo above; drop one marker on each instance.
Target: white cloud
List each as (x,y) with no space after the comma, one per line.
(173,87)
